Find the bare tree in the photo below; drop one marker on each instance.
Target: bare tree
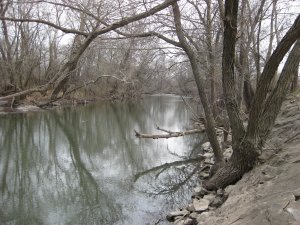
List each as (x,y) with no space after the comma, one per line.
(248,142)
(59,80)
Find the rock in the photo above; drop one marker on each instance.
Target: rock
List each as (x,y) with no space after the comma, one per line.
(209,197)
(194,215)
(199,192)
(200,205)
(179,222)
(206,146)
(217,202)
(172,215)
(294,210)
(208,154)
(229,189)
(190,208)
(207,161)
(190,221)
(220,192)
(296,193)
(204,215)
(204,175)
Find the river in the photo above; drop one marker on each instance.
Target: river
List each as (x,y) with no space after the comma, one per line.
(84,165)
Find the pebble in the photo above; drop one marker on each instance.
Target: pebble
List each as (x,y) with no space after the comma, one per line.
(200,205)
(199,192)
(172,215)
(209,197)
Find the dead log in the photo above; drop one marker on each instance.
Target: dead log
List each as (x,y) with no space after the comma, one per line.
(170,134)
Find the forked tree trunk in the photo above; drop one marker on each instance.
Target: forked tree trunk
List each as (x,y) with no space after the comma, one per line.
(264,110)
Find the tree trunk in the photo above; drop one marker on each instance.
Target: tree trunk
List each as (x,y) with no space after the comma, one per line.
(248,94)
(228,78)
(210,122)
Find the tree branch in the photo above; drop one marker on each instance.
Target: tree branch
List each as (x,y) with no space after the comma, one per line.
(268,73)
(127,20)
(63,29)
(170,134)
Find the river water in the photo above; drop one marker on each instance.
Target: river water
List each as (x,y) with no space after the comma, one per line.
(84,165)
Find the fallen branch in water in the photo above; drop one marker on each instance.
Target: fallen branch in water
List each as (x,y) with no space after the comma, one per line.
(170,134)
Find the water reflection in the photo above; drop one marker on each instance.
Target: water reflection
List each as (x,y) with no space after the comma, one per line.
(77,166)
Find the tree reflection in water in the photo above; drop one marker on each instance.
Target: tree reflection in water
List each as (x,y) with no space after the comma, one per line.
(32,181)
(74,166)
(174,180)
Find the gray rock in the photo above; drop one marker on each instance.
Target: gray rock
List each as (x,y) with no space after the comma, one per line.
(200,205)
(172,215)
(199,192)
(179,222)
(295,213)
(296,193)
(206,146)
(207,161)
(194,215)
(217,202)
(190,208)
(204,175)
(189,221)
(220,192)
(209,197)
(208,154)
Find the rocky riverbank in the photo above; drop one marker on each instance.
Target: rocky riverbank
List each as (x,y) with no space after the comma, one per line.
(269,194)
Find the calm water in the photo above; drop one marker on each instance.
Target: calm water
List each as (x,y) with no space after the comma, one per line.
(84,165)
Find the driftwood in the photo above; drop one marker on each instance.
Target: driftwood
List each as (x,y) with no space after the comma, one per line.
(169,134)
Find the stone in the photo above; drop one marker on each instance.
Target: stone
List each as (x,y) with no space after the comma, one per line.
(200,205)
(296,193)
(229,189)
(203,215)
(208,154)
(295,213)
(220,192)
(172,215)
(209,197)
(207,161)
(179,222)
(204,175)
(190,221)
(199,192)
(217,202)
(190,208)
(206,146)
(194,215)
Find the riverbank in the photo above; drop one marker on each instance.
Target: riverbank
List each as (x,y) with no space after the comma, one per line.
(269,194)
(38,102)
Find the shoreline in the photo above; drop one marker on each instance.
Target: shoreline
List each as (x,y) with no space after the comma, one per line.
(8,107)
